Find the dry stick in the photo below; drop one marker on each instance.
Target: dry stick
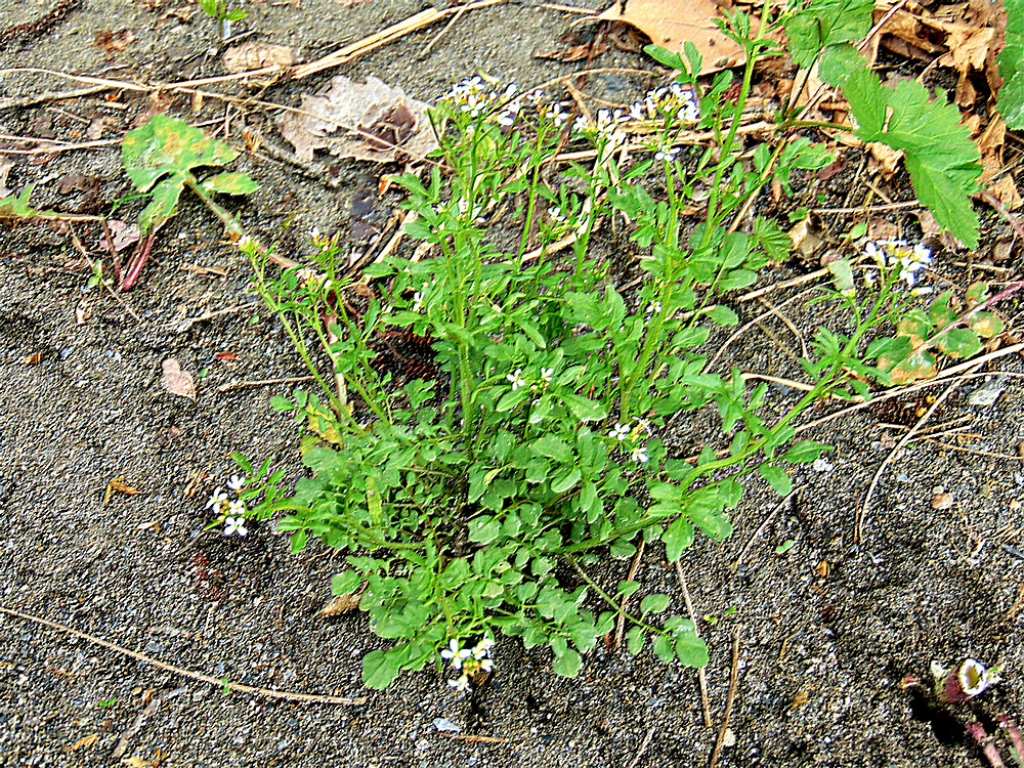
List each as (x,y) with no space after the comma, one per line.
(750,324)
(786,322)
(702,678)
(870,208)
(764,525)
(232,386)
(199,676)
(734,679)
(620,628)
(387,35)
(434,41)
(643,748)
(42,98)
(968,449)
(862,510)
(474,738)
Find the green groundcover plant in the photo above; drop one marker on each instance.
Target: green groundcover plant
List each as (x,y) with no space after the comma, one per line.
(474,498)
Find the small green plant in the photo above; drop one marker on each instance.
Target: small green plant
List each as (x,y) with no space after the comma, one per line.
(1011,67)
(107,703)
(474,493)
(161,158)
(222,12)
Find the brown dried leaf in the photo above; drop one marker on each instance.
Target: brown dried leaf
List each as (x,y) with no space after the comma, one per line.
(123,234)
(85,742)
(339,606)
(1005,191)
(34,359)
(118,485)
(176,381)
(804,240)
(113,42)
(671,23)
(256,55)
(368,121)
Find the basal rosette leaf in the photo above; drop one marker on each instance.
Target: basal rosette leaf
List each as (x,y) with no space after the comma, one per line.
(167,145)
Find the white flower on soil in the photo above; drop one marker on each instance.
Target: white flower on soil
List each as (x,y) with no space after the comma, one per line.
(516,379)
(640,455)
(547,374)
(975,678)
(460,683)
(237,509)
(235,526)
(236,483)
(482,650)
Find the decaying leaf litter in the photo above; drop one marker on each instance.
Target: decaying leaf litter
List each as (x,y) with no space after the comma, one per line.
(920,743)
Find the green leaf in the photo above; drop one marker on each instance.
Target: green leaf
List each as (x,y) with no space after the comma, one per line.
(780,482)
(654,603)
(842,277)
(664,650)
(691,650)
(230,183)
(484,530)
(345,583)
(552,448)
(282,404)
(635,639)
(960,343)
(722,315)
(565,482)
(988,325)
(568,663)
(17,206)
(805,452)
(678,537)
(167,145)
(939,154)
(664,56)
(1011,67)
(380,668)
(162,204)
(826,22)
(584,409)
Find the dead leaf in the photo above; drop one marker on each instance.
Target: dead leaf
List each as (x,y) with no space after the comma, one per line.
(671,23)
(34,359)
(942,500)
(257,55)
(886,159)
(176,381)
(339,606)
(83,312)
(804,240)
(227,357)
(823,569)
(85,742)
(113,42)
(882,229)
(800,699)
(123,234)
(373,121)
(1005,191)
(118,485)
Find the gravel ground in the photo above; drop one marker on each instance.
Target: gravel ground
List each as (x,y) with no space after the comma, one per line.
(826,629)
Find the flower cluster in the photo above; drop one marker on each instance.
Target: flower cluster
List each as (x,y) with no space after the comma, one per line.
(910,260)
(669,102)
(470,663)
(631,437)
(475,97)
(607,126)
(230,512)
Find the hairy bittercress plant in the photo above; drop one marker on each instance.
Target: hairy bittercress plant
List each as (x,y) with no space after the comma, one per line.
(475,502)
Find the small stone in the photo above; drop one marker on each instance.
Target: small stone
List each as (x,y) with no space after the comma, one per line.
(942,501)
(729,740)
(446,726)
(986,395)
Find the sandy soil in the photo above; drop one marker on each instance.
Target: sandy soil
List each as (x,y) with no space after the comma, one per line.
(826,629)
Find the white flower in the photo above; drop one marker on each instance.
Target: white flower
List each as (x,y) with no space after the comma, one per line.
(619,432)
(639,454)
(236,483)
(974,678)
(482,650)
(237,509)
(455,654)
(218,501)
(822,465)
(516,379)
(235,526)
(460,683)
(547,374)
(654,308)
(666,155)
(922,290)
(486,665)
(556,215)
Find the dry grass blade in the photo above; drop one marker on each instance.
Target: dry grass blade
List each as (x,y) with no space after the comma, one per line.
(702,678)
(734,679)
(268,693)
